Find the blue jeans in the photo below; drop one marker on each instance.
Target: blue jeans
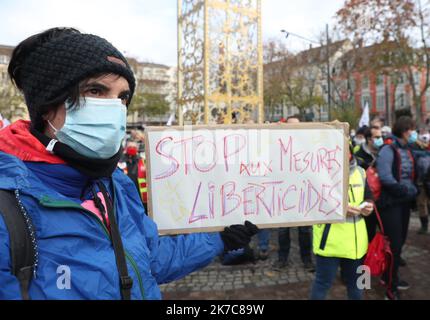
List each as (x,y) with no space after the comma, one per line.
(263,239)
(325,274)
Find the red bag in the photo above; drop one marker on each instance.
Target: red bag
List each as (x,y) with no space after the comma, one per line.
(374,182)
(379,256)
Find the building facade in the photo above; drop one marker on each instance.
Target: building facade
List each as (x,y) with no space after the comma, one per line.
(12,106)
(308,67)
(384,88)
(150,77)
(358,76)
(156,79)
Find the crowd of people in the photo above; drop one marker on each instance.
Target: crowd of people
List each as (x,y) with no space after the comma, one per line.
(64,201)
(399,156)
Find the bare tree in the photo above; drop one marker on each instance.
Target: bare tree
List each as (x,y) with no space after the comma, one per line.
(291,80)
(400,28)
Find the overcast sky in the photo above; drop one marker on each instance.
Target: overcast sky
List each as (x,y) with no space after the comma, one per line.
(146,29)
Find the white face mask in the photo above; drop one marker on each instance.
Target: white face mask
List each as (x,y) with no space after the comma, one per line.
(424,137)
(95,129)
(359,141)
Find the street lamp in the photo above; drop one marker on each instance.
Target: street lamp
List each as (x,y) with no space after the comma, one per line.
(287,34)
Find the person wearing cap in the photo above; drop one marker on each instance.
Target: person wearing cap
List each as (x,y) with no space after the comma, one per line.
(367,152)
(359,138)
(386,131)
(85,214)
(366,156)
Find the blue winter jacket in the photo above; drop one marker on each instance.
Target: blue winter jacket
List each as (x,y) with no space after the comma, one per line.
(70,237)
(396,170)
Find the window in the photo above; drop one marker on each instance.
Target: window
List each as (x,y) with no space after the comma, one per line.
(352,85)
(400,101)
(365,83)
(366,99)
(4,59)
(380,102)
(428,100)
(417,79)
(380,80)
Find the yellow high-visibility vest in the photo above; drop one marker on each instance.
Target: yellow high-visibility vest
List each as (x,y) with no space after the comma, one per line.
(141,180)
(349,239)
(356,149)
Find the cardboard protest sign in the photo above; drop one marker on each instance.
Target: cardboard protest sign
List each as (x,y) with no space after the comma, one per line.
(203,178)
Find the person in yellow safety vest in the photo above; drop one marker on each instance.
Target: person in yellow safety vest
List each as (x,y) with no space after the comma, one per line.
(141,180)
(344,244)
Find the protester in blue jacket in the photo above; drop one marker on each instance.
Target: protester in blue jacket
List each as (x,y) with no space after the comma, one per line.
(90,235)
(396,170)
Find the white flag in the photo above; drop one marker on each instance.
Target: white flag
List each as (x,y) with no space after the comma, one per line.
(3,122)
(364,120)
(169,122)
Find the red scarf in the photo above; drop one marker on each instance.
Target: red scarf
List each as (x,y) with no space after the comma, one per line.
(17,140)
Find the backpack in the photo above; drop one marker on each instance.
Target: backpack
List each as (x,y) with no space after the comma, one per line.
(21,238)
(374,182)
(373,179)
(379,256)
(23,247)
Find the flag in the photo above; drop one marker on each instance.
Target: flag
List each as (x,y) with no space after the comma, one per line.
(3,122)
(364,120)
(169,122)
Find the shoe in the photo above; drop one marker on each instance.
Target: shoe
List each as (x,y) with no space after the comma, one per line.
(309,266)
(403,285)
(280,264)
(402,262)
(392,295)
(263,254)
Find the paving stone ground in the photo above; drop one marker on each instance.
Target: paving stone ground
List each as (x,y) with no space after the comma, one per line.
(261,281)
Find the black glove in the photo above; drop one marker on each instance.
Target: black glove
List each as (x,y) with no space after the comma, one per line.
(238,236)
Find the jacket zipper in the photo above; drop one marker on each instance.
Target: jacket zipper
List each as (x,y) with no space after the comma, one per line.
(356,245)
(72,205)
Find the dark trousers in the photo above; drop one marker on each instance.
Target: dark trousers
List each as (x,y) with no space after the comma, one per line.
(395,220)
(371,224)
(305,243)
(325,274)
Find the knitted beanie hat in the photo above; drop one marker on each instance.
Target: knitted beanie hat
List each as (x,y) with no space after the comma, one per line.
(61,63)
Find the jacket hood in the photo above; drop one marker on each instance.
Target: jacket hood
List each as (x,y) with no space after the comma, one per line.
(17,140)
